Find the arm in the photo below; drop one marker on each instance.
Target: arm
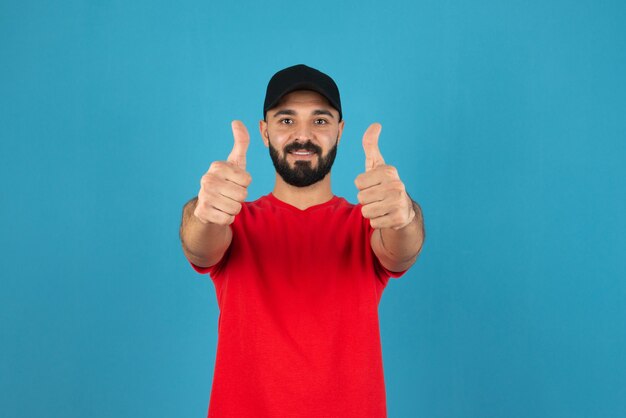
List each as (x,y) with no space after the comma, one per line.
(204,244)
(397,220)
(205,232)
(398,249)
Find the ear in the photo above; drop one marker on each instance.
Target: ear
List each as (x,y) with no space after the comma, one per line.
(340,130)
(264,134)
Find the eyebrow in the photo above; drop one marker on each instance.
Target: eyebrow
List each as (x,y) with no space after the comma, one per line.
(323,112)
(288,112)
(316,112)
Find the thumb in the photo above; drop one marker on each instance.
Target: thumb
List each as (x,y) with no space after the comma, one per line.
(242,140)
(373,157)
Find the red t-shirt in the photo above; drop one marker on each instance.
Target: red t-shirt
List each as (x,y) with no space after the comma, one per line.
(298,336)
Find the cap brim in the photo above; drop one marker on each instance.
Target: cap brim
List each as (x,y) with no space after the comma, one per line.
(303,86)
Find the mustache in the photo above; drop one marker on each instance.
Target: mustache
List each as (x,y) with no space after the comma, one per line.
(302,146)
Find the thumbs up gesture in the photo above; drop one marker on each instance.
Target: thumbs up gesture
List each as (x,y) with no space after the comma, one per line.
(224,187)
(381,192)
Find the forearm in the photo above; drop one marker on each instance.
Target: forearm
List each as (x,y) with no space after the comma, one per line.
(398,249)
(204,244)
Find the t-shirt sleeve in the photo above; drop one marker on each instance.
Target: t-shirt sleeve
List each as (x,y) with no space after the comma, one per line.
(383,272)
(216,268)
(201,270)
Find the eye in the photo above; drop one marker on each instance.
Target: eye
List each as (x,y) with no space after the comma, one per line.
(285,121)
(321,121)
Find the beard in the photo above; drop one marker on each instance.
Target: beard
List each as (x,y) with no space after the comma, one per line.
(303,173)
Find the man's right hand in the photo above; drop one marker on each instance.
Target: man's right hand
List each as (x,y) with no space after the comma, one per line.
(225,186)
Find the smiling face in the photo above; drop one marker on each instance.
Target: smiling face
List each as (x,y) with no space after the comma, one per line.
(302,133)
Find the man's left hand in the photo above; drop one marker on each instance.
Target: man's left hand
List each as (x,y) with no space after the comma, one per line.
(381,192)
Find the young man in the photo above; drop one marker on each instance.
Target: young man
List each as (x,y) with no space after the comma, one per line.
(299,272)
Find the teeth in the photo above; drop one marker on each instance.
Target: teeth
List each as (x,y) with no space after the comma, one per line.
(302,152)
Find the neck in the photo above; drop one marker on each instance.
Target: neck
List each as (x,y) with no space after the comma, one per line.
(303,197)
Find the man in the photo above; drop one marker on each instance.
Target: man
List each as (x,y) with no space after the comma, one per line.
(299,272)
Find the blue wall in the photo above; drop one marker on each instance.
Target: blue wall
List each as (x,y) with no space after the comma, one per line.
(505,119)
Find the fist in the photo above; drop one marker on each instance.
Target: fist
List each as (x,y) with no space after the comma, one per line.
(224,187)
(381,192)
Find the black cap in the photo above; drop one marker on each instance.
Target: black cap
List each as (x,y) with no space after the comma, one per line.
(301,77)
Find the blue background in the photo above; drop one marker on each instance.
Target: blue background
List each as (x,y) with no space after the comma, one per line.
(505,119)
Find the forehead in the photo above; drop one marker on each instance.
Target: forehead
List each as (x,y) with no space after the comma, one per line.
(304,98)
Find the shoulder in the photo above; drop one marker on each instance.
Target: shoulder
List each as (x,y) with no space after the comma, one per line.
(351,209)
(260,204)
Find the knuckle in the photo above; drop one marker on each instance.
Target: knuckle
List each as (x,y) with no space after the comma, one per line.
(358,181)
(405,201)
(201,199)
(217,167)
(235,193)
(219,218)
(201,214)
(203,208)
(398,186)
(242,176)
(238,209)
(390,171)
(204,195)
(207,181)
(226,219)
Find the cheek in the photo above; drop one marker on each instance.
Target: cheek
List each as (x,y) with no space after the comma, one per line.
(277,143)
(278,137)
(330,138)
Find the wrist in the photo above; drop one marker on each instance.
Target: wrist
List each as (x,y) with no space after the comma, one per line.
(410,220)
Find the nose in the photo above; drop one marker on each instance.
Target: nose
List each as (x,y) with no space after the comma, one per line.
(302,133)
